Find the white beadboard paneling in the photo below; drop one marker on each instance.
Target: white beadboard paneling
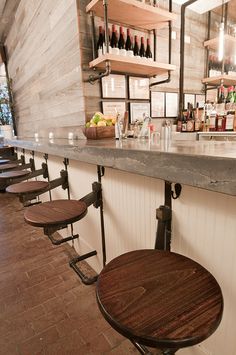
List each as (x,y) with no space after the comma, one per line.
(204,228)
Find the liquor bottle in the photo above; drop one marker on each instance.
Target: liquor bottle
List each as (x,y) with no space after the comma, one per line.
(148,53)
(179,122)
(198,122)
(220,122)
(184,123)
(136,46)
(114,41)
(229,121)
(100,42)
(142,49)
(190,119)
(121,42)
(212,120)
(221,98)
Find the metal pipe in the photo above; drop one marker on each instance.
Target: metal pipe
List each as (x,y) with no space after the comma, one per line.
(181,72)
(92,78)
(106,25)
(93,34)
(169,50)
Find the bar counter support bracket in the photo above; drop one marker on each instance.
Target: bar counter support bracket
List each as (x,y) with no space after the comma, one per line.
(93,198)
(164,216)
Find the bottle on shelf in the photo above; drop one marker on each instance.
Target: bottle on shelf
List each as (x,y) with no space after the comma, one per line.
(100,42)
(221,98)
(142,48)
(129,45)
(229,121)
(179,122)
(121,43)
(190,119)
(212,120)
(184,122)
(220,122)
(198,121)
(114,41)
(148,53)
(136,46)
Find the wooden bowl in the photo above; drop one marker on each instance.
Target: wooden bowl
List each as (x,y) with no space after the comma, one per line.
(99,132)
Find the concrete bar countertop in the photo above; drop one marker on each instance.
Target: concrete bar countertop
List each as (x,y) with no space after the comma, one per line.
(204,164)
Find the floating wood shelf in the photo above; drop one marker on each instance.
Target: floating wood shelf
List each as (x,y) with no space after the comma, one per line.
(131,65)
(229,44)
(216,80)
(132,13)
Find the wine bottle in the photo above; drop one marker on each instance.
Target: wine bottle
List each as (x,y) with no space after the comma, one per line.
(100,42)
(136,46)
(121,42)
(148,53)
(142,49)
(129,45)
(114,41)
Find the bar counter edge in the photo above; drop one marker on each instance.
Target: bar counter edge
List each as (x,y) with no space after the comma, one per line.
(207,165)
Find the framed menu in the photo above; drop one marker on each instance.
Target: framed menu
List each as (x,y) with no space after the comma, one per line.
(171,104)
(138,110)
(114,107)
(157,104)
(114,86)
(139,88)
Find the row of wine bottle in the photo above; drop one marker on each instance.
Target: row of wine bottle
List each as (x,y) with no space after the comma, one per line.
(215,66)
(120,45)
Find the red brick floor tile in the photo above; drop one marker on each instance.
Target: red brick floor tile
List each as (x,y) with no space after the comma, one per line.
(44,307)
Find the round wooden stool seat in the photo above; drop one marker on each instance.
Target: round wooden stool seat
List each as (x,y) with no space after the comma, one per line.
(14,174)
(55,213)
(9,166)
(27,187)
(159,299)
(4,161)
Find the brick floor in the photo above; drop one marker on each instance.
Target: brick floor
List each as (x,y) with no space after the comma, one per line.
(44,307)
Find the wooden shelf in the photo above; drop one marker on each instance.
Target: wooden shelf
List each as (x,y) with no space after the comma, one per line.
(229,44)
(131,65)
(132,13)
(216,80)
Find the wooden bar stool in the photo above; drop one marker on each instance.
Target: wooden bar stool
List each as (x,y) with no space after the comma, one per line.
(29,190)
(159,299)
(58,214)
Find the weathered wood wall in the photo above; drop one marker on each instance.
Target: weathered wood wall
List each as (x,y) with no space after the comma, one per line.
(44,64)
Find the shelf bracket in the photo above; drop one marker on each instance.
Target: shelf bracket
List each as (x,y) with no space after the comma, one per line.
(93,78)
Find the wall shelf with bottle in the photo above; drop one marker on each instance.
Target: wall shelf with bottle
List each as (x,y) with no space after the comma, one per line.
(229,44)
(133,13)
(224,79)
(131,65)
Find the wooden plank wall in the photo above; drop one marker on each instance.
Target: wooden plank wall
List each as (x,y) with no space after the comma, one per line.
(44,64)
(50,46)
